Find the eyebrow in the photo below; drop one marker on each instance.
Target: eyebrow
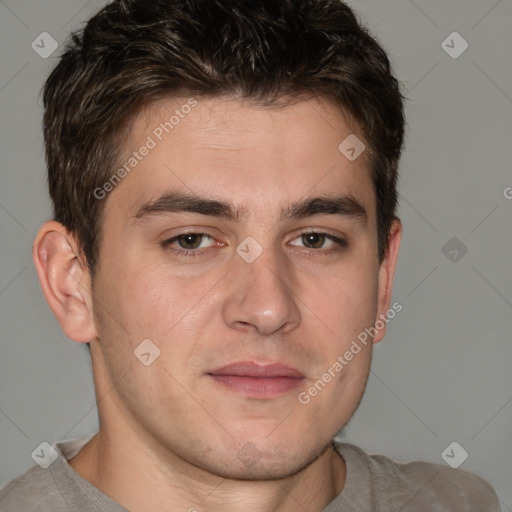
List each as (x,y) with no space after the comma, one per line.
(345,205)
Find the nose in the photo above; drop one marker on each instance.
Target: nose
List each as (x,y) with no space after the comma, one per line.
(261,296)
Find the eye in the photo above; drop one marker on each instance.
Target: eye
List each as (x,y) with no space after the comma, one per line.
(189,243)
(315,240)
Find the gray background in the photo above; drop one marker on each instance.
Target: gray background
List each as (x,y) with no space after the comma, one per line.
(443,372)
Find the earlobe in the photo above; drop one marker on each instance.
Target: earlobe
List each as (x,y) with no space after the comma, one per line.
(386,277)
(65,280)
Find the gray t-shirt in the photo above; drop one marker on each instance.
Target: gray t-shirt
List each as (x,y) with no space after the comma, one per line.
(374,483)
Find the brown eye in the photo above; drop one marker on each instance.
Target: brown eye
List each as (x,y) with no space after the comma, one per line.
(190,240)
(189,244)
(319,242)
(313,240)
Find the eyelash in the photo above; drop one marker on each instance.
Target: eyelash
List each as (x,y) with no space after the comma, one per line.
(167,244)
(341,244)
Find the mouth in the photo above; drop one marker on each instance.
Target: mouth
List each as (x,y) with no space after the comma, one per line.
(257,381)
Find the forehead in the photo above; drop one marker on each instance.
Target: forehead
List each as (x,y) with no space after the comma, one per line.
(258,158)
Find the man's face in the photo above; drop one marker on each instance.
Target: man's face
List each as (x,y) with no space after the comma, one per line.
(214,300)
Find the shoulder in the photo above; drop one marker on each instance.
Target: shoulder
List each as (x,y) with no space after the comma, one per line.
(53,487)
(418,486)
(35,490)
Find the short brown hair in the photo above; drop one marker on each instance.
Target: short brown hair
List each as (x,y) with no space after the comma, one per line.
(135,52)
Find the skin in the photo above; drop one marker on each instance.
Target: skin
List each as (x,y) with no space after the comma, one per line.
(171,437)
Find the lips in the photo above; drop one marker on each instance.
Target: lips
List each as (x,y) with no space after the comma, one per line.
(258,381)
(252,369)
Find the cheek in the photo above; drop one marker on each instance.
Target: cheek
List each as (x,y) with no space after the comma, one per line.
(150,301)
(347,302)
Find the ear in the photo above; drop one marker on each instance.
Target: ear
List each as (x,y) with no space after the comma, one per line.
(65,280)
(386,276)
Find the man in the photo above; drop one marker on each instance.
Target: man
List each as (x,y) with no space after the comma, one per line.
(224,176)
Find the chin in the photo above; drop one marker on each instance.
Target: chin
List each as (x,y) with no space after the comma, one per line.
(250,463)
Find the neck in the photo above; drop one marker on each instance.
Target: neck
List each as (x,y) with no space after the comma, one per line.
(137,477)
